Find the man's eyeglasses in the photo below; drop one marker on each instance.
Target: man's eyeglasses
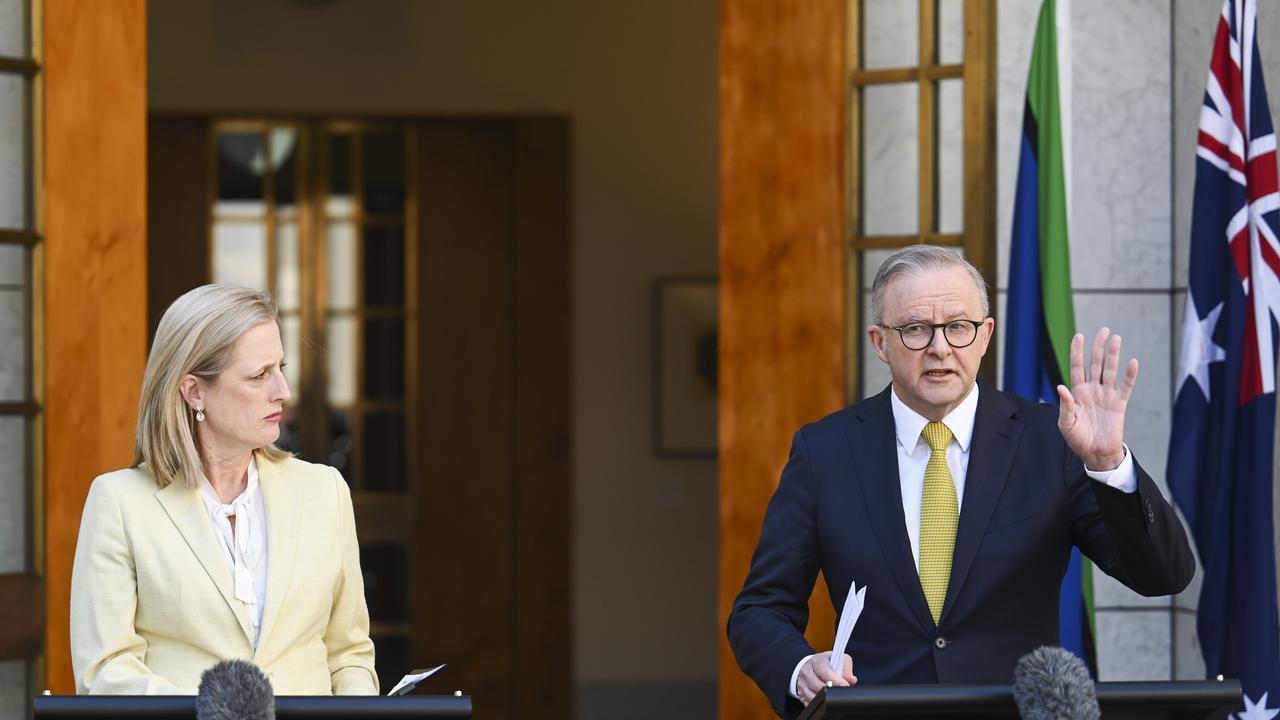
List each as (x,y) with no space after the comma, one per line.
(918,335)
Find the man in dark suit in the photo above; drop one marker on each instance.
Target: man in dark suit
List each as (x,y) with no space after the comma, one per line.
(955,504)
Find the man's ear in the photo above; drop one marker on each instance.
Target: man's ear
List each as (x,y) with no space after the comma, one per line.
(192,391)
(875,333)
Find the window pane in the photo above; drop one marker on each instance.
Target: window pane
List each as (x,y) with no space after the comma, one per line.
(242,163)
(875,374)
(339,163)
(890,159)
(384,451)
(950,32)
(340,444)
(284,160)
(14,177)
(384,173)
(288,295)
(950,152)
(890,33)
(291,339)
(384,265)
(13,494)
(341,353)
(13,351)
(342,265)
(13,28)
(13,264)
(383,567)
(384,359)
(240,254)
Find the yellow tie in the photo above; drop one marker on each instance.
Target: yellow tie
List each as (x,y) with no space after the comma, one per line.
(939,516)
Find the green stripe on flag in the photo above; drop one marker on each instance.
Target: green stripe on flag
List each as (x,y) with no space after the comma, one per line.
(1055,252)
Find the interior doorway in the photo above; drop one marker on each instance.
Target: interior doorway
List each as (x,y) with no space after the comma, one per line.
(422,270)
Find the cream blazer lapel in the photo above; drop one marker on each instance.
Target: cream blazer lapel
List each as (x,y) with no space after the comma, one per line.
(187,512)
(283,504)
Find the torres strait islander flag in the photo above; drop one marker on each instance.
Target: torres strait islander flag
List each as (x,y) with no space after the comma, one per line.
(1221,467)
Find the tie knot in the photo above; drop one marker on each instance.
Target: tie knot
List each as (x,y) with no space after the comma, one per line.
(937,435)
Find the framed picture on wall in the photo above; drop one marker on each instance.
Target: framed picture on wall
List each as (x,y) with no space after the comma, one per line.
(685,366)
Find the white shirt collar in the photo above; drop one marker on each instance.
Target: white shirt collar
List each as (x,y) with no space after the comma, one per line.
(908,424)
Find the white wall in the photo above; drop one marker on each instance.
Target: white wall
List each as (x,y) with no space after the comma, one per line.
(639,82)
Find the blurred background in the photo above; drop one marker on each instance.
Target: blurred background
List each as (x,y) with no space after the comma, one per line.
(528,256)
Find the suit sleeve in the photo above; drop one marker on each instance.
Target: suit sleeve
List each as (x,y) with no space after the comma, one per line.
(106,651)
(766,625)
(1135,537)
(347,636)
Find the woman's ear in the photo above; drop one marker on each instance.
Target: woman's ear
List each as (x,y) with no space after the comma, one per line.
(192,392)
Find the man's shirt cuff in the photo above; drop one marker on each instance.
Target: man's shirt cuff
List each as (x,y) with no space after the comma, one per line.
(795,676)
(1124,478)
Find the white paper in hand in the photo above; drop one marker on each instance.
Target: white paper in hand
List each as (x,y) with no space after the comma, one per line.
(853,604)
(413,678)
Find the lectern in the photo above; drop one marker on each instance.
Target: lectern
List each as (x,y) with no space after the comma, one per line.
(288,707)
(1119,701)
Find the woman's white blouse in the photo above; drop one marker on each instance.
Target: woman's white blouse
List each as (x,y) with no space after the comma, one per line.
(244,547)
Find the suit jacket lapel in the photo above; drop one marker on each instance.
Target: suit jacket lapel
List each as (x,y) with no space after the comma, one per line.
(875,459)
(995,441)
(187,512)
(283,506)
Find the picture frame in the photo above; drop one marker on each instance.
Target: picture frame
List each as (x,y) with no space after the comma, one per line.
(685,366)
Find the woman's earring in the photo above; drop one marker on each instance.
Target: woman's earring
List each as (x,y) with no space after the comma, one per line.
(199,415)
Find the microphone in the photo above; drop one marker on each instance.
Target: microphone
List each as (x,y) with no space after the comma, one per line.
(235,690)
(1050,683)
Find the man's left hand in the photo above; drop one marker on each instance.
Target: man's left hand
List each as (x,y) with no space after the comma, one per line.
(1091,413)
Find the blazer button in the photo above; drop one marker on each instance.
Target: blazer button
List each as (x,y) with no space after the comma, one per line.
(941,643)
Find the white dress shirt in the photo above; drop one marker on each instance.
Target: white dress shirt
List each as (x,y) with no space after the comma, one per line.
(245,546)
(913,456)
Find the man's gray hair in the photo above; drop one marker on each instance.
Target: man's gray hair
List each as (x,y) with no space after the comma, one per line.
(918,259)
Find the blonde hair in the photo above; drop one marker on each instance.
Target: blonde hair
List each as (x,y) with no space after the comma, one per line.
(195,337)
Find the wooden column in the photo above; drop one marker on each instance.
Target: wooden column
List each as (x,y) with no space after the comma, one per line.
(782,68)
(95,272)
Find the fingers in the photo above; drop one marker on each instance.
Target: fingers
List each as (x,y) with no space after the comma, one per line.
(1077,360)
(817,674)
(849,677)
(1125,386)
(1099,354)
(1066,407)
(1111,362)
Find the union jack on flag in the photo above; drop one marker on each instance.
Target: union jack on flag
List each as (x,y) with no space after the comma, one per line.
(1220,452)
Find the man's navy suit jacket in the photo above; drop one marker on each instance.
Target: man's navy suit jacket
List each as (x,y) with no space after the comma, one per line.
(1027,501)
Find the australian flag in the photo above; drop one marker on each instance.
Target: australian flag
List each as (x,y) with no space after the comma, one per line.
(1220,453)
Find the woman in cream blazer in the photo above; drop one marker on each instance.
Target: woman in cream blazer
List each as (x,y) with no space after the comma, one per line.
(169,576)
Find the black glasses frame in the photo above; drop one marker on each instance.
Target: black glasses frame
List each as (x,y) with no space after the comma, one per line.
(933,328)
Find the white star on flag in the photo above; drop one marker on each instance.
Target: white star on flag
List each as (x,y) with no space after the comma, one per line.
(1256,711)
(1198,348)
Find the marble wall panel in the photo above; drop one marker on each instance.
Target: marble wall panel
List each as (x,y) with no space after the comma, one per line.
(1188,662)
(1109,593)
(1120,173)
(1014,34)
(1134,645)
